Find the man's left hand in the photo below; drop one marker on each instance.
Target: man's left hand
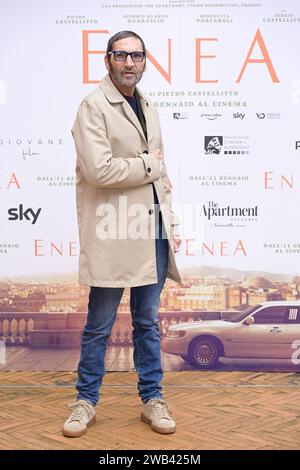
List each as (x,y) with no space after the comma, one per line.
(176,243)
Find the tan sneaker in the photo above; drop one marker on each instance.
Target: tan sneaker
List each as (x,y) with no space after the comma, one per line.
(82,416)
(156,413)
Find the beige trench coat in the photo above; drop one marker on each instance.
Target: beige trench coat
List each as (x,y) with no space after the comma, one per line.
(113,168)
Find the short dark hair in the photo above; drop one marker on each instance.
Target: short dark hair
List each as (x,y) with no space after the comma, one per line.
(123,35)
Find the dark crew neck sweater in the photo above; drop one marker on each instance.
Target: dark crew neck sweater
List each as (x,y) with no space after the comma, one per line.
(134,102)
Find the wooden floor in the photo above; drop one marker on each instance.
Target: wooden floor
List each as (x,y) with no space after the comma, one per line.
(213,410)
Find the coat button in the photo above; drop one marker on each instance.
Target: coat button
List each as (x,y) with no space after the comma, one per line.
(149,170)
(151,211)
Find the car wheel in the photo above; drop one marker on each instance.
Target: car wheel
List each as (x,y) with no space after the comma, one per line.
(204,353)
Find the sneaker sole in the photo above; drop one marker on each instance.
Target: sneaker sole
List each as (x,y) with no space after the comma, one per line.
(79,433)
(157,428)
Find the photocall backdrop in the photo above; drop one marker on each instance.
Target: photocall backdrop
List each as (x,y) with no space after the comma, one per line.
(225,79)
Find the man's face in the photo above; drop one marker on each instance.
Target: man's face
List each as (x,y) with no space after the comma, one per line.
(126,74)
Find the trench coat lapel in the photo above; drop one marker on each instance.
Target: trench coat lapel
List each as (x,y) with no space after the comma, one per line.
(133,118)
(146,112)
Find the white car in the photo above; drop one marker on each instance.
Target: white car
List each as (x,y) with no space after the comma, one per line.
(270,330)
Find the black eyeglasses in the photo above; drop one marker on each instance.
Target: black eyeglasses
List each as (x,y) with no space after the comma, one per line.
(121,56)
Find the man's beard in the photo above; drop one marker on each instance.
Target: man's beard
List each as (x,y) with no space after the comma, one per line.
(119,78)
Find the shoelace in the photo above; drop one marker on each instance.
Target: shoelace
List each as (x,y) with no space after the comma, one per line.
(161,408)
(80,412)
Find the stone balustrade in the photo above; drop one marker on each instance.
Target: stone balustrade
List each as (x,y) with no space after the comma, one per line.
(63,330)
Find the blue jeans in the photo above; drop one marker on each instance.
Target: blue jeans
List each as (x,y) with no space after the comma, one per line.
(102,310)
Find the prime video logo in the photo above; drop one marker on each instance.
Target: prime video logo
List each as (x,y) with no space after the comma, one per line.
(2,352)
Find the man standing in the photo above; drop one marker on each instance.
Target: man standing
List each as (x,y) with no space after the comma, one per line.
(121,173)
